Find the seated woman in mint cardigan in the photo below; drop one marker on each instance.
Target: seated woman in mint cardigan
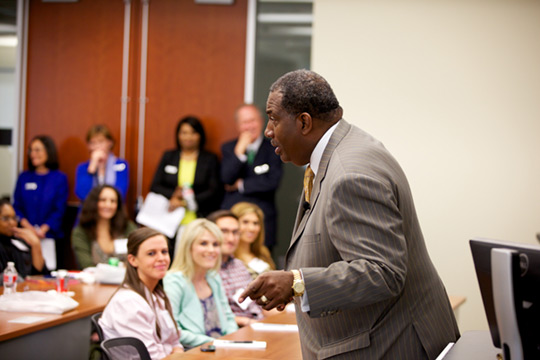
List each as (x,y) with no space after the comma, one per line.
(198,300)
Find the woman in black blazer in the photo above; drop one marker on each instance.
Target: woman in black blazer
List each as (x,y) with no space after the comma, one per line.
(189,170)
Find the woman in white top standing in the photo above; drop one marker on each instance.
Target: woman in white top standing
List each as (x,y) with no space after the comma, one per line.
(140,308)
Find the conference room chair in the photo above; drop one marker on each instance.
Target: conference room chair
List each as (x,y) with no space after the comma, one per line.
(125,348)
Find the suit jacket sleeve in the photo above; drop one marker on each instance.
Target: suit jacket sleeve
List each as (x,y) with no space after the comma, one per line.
(207,185)
(231,166)
(56,215)
(268,181)
(164,183)
(233,169)
(366,229)
(83,181)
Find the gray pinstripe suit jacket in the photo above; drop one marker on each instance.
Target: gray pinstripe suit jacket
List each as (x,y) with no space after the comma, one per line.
(372,289)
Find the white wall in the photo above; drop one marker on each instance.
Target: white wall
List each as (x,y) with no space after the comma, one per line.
(452,87)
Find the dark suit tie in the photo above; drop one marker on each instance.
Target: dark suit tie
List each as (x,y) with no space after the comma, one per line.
(308,183)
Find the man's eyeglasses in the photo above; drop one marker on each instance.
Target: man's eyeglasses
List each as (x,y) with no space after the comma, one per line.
(227,231)
(7,218)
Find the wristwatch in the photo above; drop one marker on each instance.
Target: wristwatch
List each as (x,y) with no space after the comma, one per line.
(298,286)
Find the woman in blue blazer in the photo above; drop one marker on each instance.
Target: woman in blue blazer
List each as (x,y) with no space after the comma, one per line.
(41,192)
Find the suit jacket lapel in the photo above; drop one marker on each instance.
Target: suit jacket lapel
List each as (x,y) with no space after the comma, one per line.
(302,215)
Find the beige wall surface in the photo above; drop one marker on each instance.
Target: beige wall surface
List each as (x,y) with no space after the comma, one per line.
(453,90)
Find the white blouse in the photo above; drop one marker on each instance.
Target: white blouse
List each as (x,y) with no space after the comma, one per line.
(128,314)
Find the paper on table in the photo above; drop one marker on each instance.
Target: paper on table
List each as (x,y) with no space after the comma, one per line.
(155,214)
(27,319)
(240,344)
(273,327)
(37,301)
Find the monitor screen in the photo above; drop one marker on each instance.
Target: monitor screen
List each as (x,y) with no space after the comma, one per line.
(526,291)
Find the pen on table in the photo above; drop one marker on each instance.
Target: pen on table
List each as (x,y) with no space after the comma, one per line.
(238,341)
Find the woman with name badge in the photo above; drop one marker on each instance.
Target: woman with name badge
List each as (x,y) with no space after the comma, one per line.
(140,308)
(251,249)
(41,194)
(103,228)
(198,300)
(189,168)
(103,167)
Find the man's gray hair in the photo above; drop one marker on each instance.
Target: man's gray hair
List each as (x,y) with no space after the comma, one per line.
(306,91)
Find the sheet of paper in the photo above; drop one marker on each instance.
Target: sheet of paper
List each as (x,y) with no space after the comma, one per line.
(273,327)
(246,302)
(27,319)
(48,249)
(155,214)
(120,246)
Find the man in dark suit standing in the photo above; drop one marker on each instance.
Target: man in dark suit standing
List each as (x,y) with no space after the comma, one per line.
(359,272)
(250,170)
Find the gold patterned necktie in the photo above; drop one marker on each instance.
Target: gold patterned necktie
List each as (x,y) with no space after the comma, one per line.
(308,183)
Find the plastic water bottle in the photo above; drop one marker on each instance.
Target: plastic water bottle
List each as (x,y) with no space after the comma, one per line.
(10,278)
(189,196)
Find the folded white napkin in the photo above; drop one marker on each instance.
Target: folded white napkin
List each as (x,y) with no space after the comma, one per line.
(37,301)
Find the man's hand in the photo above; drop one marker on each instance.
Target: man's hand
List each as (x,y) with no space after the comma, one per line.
(235,186)
(241,145)
(276,286)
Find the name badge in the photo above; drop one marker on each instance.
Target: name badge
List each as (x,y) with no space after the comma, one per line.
(246,302)
(30,186)
(119,167)
(261,169)
(171,169)
(20,245)
(120,246)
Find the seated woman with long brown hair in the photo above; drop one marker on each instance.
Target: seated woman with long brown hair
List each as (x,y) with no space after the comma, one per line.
(140,308)
(251,249)
(103,228)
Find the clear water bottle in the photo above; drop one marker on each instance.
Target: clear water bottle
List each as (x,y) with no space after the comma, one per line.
(10,278)
(189,196)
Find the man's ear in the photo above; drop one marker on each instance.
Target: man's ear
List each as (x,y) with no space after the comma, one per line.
(305,123)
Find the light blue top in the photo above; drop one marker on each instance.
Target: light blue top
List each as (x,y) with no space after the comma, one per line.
(187,309)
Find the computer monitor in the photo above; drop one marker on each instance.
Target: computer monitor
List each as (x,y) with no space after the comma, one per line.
(518,267)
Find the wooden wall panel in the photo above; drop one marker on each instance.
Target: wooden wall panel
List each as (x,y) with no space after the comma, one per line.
(74,73)
(195,66)
(196,56)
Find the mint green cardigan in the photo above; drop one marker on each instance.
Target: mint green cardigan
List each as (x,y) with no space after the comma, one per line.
(188,312)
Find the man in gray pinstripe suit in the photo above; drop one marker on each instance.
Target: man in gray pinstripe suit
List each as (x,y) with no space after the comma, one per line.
(363,284)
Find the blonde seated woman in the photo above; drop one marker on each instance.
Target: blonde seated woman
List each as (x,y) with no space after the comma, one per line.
(198,300)
(251,249)
(140,308)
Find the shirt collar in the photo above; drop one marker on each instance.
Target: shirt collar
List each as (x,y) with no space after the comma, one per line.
(256,144)
(317,153)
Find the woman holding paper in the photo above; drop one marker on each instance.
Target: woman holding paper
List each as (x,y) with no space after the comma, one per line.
(251,249)
(199,304)
(189,175)
(140,308)
(103,228)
